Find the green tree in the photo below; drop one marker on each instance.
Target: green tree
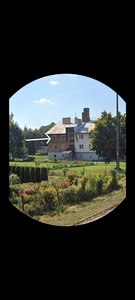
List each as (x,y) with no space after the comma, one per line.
(103,137)
(16,141)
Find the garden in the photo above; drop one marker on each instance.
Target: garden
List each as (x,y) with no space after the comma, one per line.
(70,184)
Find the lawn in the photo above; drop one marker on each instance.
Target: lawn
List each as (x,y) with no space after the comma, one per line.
(57,167)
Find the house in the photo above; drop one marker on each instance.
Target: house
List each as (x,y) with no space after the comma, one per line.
(62,143)
(70,139)
(82,139)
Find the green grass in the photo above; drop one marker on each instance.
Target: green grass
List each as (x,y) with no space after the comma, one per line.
(84,210)
(97,167)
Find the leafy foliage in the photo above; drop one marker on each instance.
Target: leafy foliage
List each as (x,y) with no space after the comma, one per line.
(103,137)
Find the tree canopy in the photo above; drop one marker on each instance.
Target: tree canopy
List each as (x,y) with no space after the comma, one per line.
(17,138)
(103,136)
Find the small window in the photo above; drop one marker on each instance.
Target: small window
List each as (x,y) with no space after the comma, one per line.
(71,141)
(71,135)
(62,147)
(80,146)
(63,137)
(54,137)
(80,136)
(71,146)
(54,147)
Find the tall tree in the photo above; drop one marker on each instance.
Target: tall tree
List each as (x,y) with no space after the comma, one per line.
(16,141)
(103,137)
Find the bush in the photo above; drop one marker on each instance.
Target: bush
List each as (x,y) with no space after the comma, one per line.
(71,177)
(63,185)
(17,170)
(43,174)
(22,174)
(83,182)
(113,182)
(68,195)
(50,197)
(92,179)
(37,174)
(14,179)
(31,174)
(99,186)
(26,174)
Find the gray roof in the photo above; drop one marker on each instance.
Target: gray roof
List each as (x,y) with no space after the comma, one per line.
(86,127)
(60,128)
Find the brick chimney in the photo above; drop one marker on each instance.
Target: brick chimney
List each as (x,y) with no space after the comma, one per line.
(85,115)
(66,120)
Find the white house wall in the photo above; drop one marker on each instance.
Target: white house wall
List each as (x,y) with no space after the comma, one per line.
(89,156)
(84,153)
(85,142)
(58,155)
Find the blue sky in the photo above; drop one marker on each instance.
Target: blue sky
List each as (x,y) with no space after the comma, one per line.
(51,98)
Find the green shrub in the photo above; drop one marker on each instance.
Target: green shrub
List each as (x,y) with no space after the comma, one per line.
(31,174)
(29,209)
(37,174)
(43,174)
(83,182)
(50,197)
(14,179)
(17,171)
(71,177)
(26,174)
(14,199)
(44,184)
(113,181)
(92,179)
(13,169)
(89,191)
(99,186)
(68,195)
(22,174)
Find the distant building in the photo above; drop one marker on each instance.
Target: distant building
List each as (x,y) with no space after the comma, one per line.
(70,139)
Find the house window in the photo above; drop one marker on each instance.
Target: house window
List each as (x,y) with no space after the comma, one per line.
(71,141)
(62,137)
(54,137)
(71,130)
(80,136)
(54,147)
(80,146)
(71,135)
(71,146)
(62,147)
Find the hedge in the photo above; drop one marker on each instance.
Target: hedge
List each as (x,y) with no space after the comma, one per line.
(29,174)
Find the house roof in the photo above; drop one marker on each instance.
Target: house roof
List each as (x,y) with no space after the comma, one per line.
(86,127)
(60,128)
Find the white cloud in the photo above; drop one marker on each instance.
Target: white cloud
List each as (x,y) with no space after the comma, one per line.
(53,82)
(43,100)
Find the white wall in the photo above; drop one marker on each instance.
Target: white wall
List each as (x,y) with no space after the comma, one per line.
(85,142)
(91,155)
(59,155)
